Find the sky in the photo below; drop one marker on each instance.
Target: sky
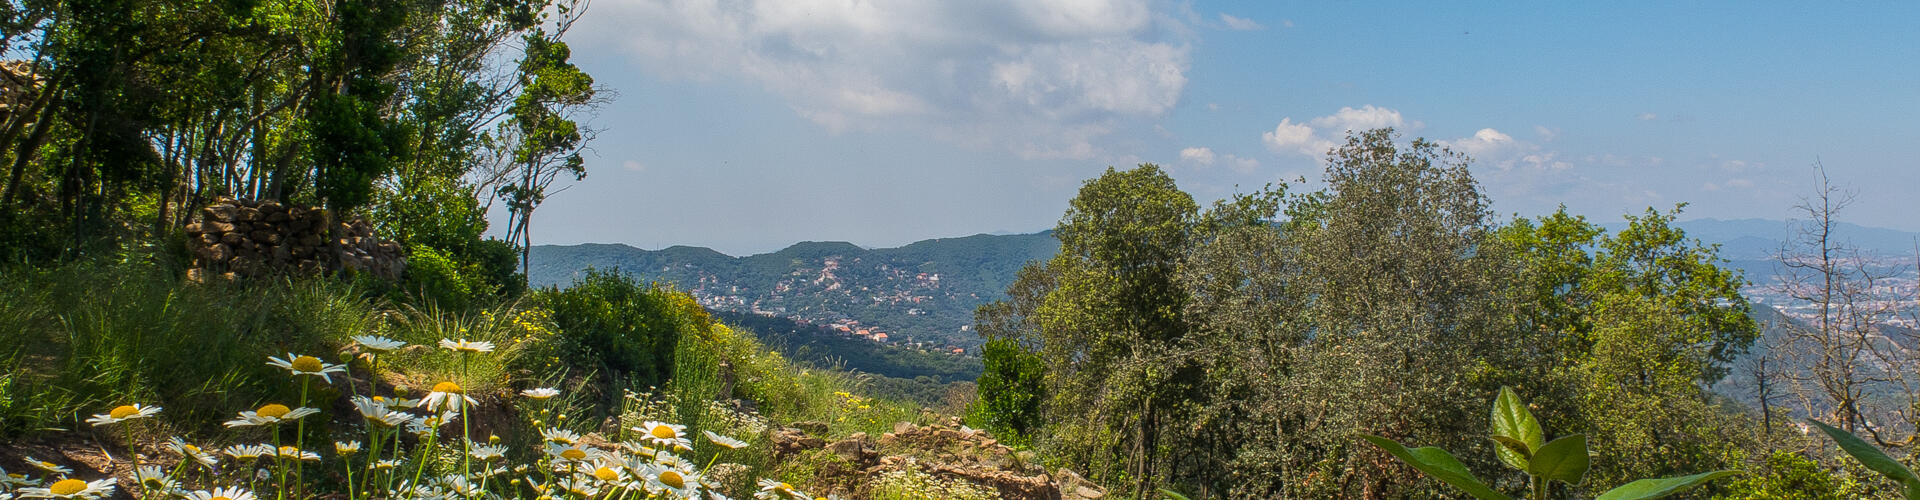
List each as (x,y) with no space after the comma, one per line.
(748,125)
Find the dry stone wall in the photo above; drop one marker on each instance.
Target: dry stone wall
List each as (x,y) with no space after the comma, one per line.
(240,238)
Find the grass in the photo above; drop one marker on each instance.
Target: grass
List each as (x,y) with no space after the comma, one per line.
(84,338)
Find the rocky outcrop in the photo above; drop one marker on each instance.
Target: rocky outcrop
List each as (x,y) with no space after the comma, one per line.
(947,450)
(238,238)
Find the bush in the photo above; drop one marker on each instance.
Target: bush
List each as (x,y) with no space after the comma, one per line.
(626,329)
(1011,389)
(1791,476)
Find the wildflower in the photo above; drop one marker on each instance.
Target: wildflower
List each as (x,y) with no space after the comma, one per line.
(680,483)
(398,403)
(71,488)
(383,465)
(346,448)
(374,409)
(576,486)
(49,467)
(271,414)
(725,442)
(448,395)
(14,480)
(541,393)
(123,413)
(220,494)
(248,452)
(464,346)
(378,343)
(296,453)
(606,473)
(487,452)
(458,485)
(568,453)
(307,365)
(192,452)
(664,434)
(774,489)
(423,425)
(151,478)
(561,436)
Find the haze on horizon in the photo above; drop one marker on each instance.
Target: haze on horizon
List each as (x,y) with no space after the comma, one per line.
(748,125)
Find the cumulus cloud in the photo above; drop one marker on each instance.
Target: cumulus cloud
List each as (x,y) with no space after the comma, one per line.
(1203,156)
(1315,136)
(1043,79)
(1239,23)
(1646,117)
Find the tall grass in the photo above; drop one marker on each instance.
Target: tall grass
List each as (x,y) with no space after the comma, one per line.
(86,335)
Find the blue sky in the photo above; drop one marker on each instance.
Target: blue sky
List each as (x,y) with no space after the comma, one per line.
(747,125)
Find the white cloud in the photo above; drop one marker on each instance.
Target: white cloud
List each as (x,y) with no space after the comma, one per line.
(1295,137)
(1203,156)
(1239,23)
(633,166)
(1042,79)
(1646,117)
(1366,118)
(1242,165)
(1546,134)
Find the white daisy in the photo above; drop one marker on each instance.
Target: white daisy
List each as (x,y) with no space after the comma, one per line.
(448,395)
(151,478)
(298,454)
(557,435)
(123,413)
(572,453)
(423,425)
(46,466)
(220,494)
(663,434)
(460,486)
(771,489)
(376,412)
(725,442)
(541,393)
(10,481)
(464,346)
(192,452)
(680,483)
(248,451)
(307,366)
(378,343)
(71,488)
(487,452)
(271,414)
(346,448)
(383,465)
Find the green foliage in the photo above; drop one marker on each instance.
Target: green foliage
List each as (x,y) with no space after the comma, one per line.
(1875,459)
(1790,476)
(1561,460)
(439,281)
(1011,390)
(625,328)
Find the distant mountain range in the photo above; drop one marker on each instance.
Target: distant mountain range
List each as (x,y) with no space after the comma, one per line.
(926,292)
(922,293)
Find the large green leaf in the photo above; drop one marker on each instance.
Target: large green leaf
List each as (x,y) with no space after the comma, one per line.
(1655,488)
(1868,454)
(1512,420)
(1439,464)
(1173,495)
(1563,459)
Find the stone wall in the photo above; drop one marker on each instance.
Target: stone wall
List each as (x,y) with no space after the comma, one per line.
(238,238)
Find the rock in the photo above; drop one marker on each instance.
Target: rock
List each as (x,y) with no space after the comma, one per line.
(207,239)
(221,213)
(231,238)
(857,449)
(812,427)
(272,207)
(215,227)
(903,427)
(247,214)
(790,441)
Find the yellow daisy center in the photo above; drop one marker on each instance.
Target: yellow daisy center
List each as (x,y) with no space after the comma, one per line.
(153,482)
(219,498)
(121,412)
(190,448)
(289,450)
(448,387)
(49,465)
(307,364)
(663,432)
(274,410)
(573,454)
(68,487)
(671,478)
(606,474)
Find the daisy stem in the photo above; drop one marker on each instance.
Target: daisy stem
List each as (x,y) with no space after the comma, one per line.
(433,439)
(466,438)
(300,434)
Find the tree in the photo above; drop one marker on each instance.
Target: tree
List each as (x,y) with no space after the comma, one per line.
(541,135)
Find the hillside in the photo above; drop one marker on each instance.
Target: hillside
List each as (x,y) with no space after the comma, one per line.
(923,292)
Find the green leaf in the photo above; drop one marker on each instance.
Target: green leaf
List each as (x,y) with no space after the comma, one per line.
(1439,464)
(1511,419)
(1655,488)
(1516,445)
(1174,495)
(1563,460)
(1869,454)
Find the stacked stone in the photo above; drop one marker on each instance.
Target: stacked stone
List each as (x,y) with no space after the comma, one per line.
(238,238)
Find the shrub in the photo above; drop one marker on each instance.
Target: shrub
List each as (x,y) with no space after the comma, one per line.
(627,329)
(1792,476)
(1011,389)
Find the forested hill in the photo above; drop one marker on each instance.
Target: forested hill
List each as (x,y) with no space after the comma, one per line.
(922,292)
